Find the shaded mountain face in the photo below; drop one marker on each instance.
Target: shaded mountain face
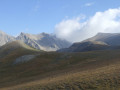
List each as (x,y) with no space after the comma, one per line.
(112,39)
(102,41)
(88,46)
(85,46)
(43,41)
(4,38)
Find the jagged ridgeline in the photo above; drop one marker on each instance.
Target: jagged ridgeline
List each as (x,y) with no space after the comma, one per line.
(43,41)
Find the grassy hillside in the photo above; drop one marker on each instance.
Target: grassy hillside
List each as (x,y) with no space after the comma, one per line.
(95,70)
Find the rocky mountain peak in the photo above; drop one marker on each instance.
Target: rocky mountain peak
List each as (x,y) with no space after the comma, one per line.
(4,38)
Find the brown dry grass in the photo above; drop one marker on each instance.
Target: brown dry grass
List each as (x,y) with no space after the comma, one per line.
(97,70)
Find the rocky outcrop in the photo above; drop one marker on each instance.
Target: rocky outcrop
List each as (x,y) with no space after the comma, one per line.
(43,41)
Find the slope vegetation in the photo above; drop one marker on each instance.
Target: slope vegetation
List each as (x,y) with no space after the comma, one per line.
(94,70)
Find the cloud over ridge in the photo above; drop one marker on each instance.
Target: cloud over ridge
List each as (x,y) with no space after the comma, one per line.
(75,30)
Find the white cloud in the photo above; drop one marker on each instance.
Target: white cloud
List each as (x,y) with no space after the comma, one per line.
(75,30)
(89,4)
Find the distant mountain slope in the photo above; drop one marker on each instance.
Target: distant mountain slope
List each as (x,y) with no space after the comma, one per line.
(4,38)
(112,39)
(85,46)
(14,46)
(43,41)
(102,41)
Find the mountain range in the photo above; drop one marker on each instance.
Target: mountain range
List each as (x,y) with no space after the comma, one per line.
(43,41)
(49,42)
(101,41)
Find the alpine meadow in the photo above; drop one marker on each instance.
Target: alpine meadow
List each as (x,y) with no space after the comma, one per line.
(59,45)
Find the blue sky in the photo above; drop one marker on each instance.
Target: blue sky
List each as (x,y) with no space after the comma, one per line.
(36,16)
